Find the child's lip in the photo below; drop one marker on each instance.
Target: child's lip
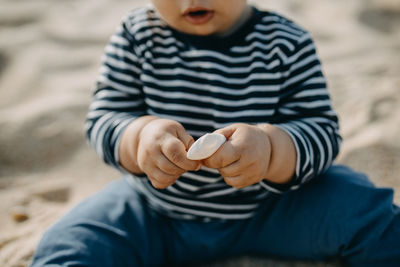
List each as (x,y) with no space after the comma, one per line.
(203,15)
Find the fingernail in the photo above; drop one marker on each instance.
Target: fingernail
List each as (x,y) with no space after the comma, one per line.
(198,167)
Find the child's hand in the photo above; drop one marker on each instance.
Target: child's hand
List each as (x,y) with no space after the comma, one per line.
(162,152)
(157,147)
(244,158)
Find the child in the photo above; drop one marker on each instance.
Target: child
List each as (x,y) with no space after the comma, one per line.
(179,69)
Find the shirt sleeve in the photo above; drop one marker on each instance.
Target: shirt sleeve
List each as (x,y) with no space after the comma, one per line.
(305,113)
(117,98)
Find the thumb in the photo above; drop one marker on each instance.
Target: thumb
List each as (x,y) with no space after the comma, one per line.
(227,131)
(182,135)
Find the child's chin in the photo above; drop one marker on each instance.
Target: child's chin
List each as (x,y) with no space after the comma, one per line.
(200,31)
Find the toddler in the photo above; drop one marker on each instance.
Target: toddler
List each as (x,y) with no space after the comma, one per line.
(178,69)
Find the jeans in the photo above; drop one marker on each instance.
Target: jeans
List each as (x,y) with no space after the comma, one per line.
(338,214)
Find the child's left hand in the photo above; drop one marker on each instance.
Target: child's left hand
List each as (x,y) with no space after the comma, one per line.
(244,158)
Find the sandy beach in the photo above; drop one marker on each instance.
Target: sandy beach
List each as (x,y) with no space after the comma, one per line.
(50,52)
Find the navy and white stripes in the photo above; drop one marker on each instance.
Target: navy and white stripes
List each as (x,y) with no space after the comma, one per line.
(265,72)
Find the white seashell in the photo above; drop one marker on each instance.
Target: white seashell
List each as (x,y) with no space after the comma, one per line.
(205,146)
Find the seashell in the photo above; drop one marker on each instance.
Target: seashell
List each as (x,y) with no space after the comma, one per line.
(205,146)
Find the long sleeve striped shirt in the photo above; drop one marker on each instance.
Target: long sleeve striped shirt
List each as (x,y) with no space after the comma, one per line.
(267,71)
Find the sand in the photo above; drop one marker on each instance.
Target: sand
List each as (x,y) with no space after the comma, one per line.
(49,57)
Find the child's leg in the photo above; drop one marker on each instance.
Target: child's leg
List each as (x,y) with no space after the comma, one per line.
(340,213)
(116,228)
(112,228)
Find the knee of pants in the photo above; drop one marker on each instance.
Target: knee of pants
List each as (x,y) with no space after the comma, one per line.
(370,223)
(341,186)
(340,210)
(81,244)
(358,211)
(111,228)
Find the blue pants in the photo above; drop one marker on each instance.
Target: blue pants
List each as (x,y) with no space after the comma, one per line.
(339,214)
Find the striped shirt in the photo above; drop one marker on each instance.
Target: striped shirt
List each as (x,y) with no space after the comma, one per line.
(267,71)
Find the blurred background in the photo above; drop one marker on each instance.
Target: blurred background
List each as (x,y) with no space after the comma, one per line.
(50,53)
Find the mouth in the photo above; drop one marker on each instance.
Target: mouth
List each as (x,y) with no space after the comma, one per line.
(198,15)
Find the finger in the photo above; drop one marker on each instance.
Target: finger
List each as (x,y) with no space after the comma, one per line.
(174,150)
(157,184)
(238,182)
(234,169)
(185,138)
(146,160)
(225,155)
(227,131)
(160,179)
(168,167)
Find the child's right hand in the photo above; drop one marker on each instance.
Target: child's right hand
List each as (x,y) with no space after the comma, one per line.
(161,151)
